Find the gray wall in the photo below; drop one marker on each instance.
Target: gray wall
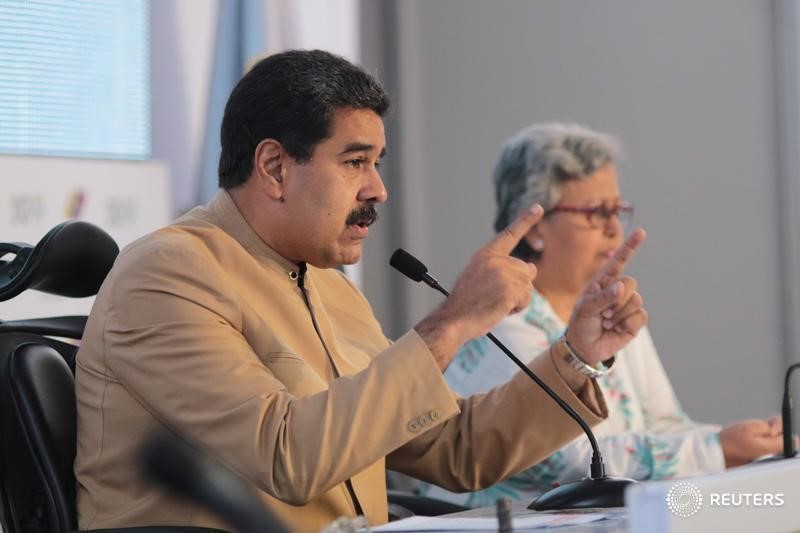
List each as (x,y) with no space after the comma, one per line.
(690,87)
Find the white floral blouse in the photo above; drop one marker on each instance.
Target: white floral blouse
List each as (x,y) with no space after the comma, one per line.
(646,435)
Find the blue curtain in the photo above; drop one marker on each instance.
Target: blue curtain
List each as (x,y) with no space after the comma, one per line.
(241,36)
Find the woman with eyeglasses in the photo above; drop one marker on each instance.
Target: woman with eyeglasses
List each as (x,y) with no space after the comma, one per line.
(570,170)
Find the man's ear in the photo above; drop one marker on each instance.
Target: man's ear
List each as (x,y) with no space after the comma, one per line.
(268,166)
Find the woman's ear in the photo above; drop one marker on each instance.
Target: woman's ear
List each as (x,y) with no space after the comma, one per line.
(534,239)
(269,167)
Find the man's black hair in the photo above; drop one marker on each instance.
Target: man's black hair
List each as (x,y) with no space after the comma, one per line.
(291,97)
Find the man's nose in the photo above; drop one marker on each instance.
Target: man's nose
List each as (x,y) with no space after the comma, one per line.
(373,190)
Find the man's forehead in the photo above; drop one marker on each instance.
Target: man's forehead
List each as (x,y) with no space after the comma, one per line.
(358,130)
(362,147)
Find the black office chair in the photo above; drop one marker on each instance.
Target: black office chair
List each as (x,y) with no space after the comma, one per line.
(42,390)
(37,387)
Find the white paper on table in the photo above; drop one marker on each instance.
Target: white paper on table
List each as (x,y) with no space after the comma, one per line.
(428,523)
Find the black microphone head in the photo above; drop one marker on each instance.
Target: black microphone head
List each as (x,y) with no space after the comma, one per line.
(171,461)
(408,265)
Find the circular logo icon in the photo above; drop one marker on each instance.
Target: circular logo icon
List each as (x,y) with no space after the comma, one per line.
(684,499)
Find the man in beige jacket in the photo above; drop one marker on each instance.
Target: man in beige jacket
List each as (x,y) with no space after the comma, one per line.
(232,327)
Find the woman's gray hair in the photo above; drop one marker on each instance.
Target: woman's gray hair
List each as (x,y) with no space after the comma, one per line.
(536,162)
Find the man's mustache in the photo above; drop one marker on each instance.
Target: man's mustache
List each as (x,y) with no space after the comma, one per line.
(363,215)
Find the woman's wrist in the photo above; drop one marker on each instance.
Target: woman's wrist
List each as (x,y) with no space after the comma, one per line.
(579,364)
(561,360)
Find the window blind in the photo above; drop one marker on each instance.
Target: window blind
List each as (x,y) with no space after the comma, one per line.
(75,78)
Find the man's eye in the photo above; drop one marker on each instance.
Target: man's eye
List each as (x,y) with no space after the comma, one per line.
(355,163)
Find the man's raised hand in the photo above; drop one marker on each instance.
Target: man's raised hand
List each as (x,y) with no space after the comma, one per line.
(492,285)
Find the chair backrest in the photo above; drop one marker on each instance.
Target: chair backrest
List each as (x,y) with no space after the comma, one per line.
(72,259)
(42,400)
(37,386)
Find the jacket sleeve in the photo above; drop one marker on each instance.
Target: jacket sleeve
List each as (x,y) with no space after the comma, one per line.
(499,433)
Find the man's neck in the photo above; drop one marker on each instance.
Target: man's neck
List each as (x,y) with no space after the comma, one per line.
(259,218)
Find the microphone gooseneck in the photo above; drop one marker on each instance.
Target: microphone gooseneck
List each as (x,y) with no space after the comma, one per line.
(598,490)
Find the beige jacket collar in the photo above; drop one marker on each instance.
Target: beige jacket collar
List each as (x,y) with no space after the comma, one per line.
(222,212)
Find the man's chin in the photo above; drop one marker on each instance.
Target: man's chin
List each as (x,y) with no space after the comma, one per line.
(347,256)
(351,257)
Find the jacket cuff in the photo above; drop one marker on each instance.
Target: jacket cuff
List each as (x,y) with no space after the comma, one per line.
(431,401)
(589,403)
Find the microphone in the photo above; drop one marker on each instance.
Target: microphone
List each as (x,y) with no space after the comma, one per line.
(174,464)
(787,421)
(787,415)
(598,490)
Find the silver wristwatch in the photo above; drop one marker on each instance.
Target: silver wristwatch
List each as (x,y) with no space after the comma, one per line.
(578,364)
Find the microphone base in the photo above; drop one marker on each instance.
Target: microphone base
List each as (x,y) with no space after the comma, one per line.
(772,457)
(587,493)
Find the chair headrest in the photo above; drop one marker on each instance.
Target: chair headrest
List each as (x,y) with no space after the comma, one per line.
(72,259)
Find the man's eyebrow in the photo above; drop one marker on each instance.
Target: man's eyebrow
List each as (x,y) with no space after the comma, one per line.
(361,147)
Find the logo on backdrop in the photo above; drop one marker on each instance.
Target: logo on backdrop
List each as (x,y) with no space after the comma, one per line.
(75,203)
(27,209)
(684,499)
(122,211)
